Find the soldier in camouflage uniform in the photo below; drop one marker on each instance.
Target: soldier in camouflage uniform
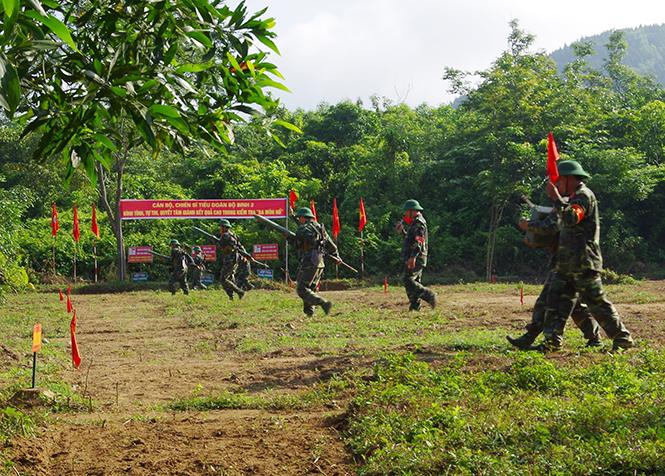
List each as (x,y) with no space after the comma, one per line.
(312,241)
(550,225)
(180,262)
(244,272)
(229,244)
(414,253)
(199,267)
(579,262)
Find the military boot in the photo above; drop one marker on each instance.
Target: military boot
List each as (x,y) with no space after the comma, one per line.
(523,343)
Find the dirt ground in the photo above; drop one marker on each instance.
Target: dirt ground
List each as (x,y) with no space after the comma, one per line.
(129,368)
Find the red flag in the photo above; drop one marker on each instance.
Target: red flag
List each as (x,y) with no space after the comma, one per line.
(76,358)
(522,295)
(385,285)
(363,216)
(314,210)
(552,157)
(292,199)
(62,298)
(54,221)
(76,232)
(69,290)
(70,308)
(335,223)
(94,227)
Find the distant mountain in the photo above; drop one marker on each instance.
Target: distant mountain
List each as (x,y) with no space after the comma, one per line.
(645,53)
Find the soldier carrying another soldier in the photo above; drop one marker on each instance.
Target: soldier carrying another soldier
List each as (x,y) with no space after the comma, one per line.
(579,262)
(199,267)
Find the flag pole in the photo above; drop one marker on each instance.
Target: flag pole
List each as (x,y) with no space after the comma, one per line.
(287,278)
(94,249)
(336,265)
(74,260)
(362,256)
(53,255)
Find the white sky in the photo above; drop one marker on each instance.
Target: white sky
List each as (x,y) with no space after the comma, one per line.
(348,49)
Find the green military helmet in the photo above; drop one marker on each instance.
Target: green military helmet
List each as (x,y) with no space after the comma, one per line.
(571,167)
(174,242)
(412,205)
(224,222)
(196,248)
(305,212)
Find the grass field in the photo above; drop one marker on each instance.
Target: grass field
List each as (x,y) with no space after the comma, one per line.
(199,385)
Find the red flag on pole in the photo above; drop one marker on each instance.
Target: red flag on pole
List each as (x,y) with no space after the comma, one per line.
(335,223)
(75,231)
(522,295)
(292,199)
(54,221)
(314,210)
(76,358)
(62,298)
(385,285)
(94,227)
(69,290)
(363,216)
(552,157)
(70,308)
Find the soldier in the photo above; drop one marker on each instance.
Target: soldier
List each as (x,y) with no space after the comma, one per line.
(180,262)
(199,267)
(550,225)
(228,244)
(312,241)
(579,262)
(414,253)
(244,272)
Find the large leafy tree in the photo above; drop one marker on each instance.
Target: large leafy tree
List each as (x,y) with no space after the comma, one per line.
(98,79)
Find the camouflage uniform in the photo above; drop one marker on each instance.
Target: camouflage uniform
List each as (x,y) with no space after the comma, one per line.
(415,245)
(311,240)
(578,271)
(180,261)
(244,272)
(199,267)
(550,225)
(228,244)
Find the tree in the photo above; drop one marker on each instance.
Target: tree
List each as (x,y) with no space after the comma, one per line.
(100,79)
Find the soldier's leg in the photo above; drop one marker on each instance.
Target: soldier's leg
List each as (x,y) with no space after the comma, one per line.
(535,327)
(307,279)
(587,324)
(227,274)
(173,280)
(183,283)
(244,272)
(590,287)
(415,291)
(560,302)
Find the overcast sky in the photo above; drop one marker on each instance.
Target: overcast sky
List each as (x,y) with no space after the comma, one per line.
(349,49)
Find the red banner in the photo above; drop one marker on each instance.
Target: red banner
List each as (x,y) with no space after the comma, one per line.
(150,209)
(139,254)
(210,252)
(265,252)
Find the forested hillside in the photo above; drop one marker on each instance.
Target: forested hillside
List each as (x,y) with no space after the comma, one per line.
(468,167)
(645,51)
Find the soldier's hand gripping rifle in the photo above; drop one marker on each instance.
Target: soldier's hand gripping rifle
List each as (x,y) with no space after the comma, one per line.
(242,253)
(290,234)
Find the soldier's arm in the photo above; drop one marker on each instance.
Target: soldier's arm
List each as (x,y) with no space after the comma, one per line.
(418,241)
(574,210)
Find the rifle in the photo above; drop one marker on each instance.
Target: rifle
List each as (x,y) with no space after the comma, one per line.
(242,253)
(159,254)
(290,234)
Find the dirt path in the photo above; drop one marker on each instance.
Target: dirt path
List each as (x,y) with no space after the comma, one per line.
(139,355)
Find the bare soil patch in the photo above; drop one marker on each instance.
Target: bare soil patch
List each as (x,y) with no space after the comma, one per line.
(138,355)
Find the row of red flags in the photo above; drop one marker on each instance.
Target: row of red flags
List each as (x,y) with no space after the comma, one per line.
(362,219)
(55,225)
(76,357)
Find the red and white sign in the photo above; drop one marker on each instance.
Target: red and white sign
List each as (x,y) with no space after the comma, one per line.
(150,209)
(139,254)
(265,252)
(210,251)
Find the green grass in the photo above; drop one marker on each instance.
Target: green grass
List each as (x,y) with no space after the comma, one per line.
(440,398)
